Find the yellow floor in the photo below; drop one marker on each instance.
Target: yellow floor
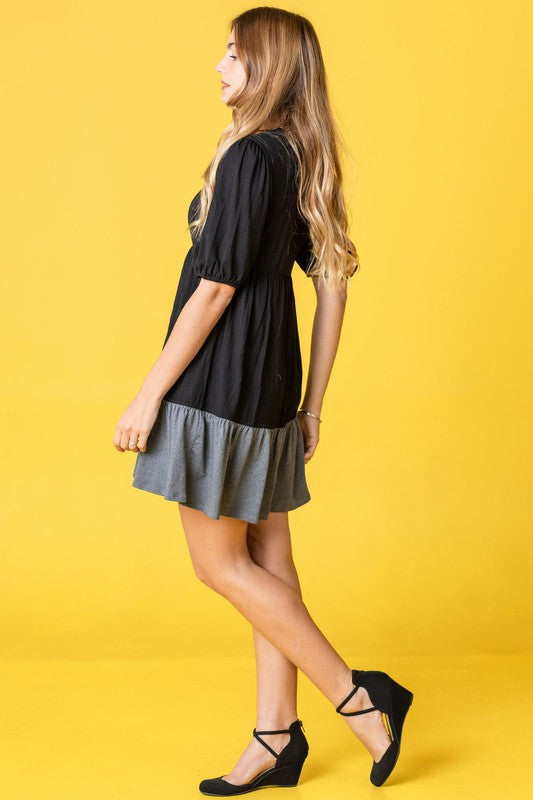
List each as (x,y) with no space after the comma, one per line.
(152,729)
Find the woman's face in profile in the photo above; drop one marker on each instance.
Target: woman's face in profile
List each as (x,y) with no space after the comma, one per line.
(231,70)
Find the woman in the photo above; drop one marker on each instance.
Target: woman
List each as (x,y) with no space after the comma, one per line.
(216,425)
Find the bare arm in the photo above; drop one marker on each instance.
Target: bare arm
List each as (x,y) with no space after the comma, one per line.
(327,325)
(195,322)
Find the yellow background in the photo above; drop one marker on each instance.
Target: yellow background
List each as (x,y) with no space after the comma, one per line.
(417,540)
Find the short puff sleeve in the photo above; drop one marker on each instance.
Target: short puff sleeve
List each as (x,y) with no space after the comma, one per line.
(304,254)
(229,242)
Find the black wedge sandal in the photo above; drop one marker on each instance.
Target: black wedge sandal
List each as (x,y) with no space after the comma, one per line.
(285,772)
(391,699)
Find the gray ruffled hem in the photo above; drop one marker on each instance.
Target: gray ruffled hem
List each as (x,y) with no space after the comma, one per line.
(222,467)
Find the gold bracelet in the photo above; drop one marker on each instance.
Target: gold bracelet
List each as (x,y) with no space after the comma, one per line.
(310,413)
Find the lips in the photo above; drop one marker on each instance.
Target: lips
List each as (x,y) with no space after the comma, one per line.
(225,84)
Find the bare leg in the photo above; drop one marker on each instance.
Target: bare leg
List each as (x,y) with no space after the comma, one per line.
(269,546)
(221,559)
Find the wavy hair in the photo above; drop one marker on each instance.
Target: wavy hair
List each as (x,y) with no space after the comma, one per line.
(286,83)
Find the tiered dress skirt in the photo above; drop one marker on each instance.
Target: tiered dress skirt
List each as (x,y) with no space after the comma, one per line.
(222,467)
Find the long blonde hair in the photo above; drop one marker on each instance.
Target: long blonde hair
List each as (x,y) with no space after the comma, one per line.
(286,82)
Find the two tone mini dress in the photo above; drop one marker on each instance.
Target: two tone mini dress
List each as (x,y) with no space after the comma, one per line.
(227,440)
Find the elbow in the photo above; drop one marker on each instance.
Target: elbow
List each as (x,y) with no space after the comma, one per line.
(216,291)
(324,294)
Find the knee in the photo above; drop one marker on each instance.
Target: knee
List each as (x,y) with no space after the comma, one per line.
(220,577)
(203,574)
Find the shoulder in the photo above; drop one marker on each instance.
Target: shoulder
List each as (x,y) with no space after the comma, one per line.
(249,146)
(263,152)
(244,157)
(245,160)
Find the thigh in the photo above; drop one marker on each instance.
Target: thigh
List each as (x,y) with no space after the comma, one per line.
(215,545)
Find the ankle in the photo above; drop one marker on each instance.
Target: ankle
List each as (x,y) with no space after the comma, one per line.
(274,722)
(345,687)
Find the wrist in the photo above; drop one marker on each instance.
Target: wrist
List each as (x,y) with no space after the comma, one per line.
(151,394)
(309,413)
(311,405)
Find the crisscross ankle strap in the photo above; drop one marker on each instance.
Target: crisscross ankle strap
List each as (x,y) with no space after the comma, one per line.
(256,734)
(353,713)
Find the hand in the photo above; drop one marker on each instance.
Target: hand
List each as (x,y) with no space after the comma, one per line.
(136,423)
(311,432)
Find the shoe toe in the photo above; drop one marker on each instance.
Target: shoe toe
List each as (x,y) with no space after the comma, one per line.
(382,769)
(216,786)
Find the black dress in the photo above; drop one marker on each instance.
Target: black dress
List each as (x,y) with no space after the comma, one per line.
(227,439)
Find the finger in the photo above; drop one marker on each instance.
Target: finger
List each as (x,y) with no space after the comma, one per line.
(141,444)
(133,441)
(128,440)
(116,439)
